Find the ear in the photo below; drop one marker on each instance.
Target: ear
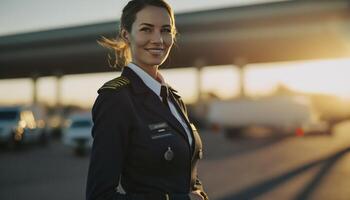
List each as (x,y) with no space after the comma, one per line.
(125,35)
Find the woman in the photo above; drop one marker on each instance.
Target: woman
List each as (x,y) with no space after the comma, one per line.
(143,140)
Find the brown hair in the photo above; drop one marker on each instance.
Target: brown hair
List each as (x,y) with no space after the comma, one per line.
(122,54)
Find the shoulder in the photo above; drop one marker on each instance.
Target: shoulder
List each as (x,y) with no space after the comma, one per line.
(115,84)
(113,95)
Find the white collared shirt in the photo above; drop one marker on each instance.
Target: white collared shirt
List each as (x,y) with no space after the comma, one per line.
(155,86)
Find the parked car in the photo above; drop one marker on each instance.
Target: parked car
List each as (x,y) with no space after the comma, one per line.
(18,125)
(77,133)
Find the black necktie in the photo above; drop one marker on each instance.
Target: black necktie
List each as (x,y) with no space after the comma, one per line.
(164,94)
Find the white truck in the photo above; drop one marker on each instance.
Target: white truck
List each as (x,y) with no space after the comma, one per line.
(280,114)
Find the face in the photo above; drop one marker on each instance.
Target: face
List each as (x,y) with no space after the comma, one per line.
(151,37)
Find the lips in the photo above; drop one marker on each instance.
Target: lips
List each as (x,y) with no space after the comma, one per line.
(155,51)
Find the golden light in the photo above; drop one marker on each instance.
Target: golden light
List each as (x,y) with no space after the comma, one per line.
(322,76)
(22,124)
(27,119)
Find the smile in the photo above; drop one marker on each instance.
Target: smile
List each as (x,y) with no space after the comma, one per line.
(155,51)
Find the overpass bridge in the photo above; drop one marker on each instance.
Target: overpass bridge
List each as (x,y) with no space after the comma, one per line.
(272,32)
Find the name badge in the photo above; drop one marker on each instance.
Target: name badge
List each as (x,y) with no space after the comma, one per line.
(158,126)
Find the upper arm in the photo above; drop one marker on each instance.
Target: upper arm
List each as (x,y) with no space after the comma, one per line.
(110,132)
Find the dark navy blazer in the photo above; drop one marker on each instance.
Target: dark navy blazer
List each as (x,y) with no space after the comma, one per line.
(132,132)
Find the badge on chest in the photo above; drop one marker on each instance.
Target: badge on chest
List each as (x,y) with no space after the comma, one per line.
(160,130)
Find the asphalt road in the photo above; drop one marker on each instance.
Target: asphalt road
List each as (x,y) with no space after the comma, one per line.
(296,168)
(254,167)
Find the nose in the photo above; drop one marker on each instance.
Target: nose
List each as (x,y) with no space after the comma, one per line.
(157,38)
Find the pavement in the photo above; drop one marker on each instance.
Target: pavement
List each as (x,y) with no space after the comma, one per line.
(309,167)
(253,167)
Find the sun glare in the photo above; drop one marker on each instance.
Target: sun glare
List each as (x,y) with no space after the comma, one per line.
(326,76)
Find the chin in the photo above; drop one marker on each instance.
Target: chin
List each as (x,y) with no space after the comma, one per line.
(155,62)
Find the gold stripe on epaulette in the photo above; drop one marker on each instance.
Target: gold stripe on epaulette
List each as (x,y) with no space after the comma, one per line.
(119,80)
(115,84)
(123,81)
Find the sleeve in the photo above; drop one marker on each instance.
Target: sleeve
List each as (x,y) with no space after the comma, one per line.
(110,131)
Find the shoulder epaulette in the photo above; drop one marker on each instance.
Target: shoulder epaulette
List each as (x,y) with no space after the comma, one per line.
(115,84)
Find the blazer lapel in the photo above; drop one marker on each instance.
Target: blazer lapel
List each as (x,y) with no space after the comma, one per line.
(154,104)
(151,101)
(197,143)
(176,99)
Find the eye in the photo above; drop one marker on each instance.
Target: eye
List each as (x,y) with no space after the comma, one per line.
(146,29)
(166,30)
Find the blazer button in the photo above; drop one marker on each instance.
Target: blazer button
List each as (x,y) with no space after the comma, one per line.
(169,154)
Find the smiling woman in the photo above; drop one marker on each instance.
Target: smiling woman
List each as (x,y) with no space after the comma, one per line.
(144,141)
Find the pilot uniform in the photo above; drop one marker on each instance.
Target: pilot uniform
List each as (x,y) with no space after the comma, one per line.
(146,145)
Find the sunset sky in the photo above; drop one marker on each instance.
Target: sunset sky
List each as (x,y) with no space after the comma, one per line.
(327,76)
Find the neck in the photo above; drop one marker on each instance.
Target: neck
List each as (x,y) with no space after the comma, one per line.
(151,70)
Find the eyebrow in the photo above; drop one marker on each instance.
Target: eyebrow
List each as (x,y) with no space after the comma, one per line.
(151,25)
